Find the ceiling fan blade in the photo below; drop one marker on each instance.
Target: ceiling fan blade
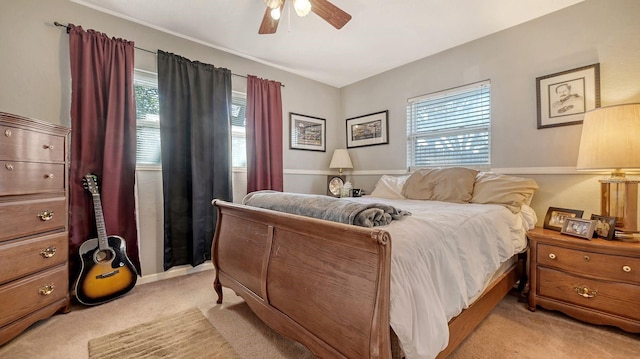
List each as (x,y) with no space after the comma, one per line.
(330,13)
(269,25)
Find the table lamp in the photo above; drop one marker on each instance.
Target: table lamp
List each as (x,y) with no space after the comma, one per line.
(611,141)
(340,160)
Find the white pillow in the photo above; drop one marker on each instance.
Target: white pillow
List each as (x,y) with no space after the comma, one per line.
(510,191)
(390,187)
(447,184)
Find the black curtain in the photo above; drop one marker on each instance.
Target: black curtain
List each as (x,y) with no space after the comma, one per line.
(195,136)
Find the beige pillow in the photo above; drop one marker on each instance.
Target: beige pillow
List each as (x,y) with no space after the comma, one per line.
(451,184)
(509,191)
(390,187)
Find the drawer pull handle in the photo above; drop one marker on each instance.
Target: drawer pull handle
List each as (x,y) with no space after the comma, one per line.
(586,292)
(47,289)
(45,215)
(7,133)
(9,166)
(48,252)
(587,258)
(49,175)
(552,255)
(626,269)
(48,147)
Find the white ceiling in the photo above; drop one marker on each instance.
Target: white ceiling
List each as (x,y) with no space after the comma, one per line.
(383,34)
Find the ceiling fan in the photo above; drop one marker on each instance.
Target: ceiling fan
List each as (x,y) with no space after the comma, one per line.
(323,8)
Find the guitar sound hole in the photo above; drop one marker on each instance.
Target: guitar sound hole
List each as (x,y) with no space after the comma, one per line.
(103,256)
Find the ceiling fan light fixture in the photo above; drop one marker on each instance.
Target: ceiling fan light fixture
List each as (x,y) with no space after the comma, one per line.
(302,7)
(275,13)
(273,4)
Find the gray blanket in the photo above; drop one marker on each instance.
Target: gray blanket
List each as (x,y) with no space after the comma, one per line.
(325,207)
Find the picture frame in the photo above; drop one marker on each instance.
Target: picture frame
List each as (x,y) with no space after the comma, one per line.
(579,227)
(564,97)
(368,130)
(307,133)
(556,216)
(605,227)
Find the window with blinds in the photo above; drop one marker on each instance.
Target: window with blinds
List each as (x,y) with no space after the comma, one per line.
(145,86)
(450,128)
(238,130)
(148,122)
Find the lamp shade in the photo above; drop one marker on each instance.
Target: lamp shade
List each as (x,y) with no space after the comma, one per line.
(341,159)
(610,138)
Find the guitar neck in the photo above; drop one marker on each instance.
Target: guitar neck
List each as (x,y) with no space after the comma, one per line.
(103,243)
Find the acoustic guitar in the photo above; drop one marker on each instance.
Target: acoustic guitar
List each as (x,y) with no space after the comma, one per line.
(106,271)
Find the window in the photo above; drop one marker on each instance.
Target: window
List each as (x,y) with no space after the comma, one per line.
(450,128)
(148,122)
(147,117)
(238,130)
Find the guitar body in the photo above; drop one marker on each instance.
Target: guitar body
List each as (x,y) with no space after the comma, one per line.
(105,274)
(106,271)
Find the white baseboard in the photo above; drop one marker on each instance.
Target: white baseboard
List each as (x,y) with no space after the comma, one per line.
(175,272)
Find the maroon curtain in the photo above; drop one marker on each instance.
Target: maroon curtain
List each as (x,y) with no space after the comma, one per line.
(103,139)
(264,135)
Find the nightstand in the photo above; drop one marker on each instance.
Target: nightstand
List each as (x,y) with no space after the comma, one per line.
(596,281)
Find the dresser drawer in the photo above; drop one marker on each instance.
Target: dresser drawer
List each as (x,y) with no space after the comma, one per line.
(609,297)
(20,258)
(612,267)
(23,296)
(23,145)
(18,219)
(28,177)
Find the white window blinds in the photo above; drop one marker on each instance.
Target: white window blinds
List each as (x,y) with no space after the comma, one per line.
(450,128)
(238,130)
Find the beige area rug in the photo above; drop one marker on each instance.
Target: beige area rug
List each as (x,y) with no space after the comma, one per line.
(185,335)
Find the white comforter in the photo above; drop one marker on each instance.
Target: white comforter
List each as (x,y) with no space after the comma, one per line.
(443,256)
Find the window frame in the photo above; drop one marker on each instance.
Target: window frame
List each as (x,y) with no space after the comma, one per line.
(413,134)
(147,78)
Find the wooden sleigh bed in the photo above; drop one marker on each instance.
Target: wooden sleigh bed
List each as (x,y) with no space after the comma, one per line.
(325,284)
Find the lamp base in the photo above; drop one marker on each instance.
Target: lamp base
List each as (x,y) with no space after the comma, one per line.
(620,200)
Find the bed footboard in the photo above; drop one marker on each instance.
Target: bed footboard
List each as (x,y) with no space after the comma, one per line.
(323,284)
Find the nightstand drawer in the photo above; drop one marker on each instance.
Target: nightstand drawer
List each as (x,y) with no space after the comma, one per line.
(608,297)
(612,267)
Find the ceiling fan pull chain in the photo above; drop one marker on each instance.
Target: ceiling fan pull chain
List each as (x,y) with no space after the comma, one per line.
(289,17)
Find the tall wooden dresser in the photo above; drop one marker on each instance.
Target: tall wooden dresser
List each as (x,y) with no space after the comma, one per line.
(34,279)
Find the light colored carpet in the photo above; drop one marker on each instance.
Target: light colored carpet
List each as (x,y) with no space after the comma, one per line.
(179,336)
(511,331)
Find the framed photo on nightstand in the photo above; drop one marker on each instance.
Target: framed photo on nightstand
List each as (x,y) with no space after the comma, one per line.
(556,217)
(579,227)
(605,226)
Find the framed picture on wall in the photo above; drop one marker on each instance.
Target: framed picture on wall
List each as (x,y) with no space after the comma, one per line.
(307,132)
(368,130)
(564,97)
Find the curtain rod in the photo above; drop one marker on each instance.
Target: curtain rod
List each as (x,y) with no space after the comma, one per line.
(139,48)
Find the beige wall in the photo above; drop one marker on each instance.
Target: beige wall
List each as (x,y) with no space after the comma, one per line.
(36,82)
(34,74)
(595,31)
